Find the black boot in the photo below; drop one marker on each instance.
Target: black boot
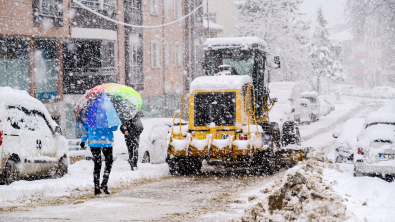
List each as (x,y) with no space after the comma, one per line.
(104,186)
(97,190)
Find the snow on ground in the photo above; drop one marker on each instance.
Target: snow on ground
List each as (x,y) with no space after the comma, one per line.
(79,178)
(366,197)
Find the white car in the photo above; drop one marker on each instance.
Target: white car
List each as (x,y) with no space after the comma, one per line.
(314,103)
(31,143)
(346,140)
(153,141)
(375,155)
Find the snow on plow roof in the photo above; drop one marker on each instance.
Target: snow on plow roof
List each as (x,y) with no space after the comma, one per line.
(235,42)
(309,94)
(210,83)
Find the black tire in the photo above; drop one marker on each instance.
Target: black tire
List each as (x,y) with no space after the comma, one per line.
(146,158)
(63,167)
(389,178)
(11,172)
(339,159)
(357,173)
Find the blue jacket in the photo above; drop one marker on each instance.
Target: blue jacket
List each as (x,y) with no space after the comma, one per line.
(98,137)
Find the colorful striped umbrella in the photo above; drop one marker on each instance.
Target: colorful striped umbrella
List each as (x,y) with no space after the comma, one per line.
(108,105)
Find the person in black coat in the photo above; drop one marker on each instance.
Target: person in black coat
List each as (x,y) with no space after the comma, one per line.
(132,130)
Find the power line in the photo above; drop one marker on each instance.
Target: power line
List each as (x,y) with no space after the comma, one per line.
(135,26)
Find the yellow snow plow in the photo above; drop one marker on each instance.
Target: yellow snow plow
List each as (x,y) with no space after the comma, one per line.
(228,112)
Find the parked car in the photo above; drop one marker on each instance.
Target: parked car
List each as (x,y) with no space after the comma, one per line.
(303,108)
(314,103)
(383,92)
(325,107)
(346,140)
(375,155)
(153,140)
(31,143)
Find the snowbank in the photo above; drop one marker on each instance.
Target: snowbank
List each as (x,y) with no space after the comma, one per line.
(302,195)
(210,83)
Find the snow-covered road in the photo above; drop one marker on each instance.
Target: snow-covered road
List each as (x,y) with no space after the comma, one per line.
(152,195)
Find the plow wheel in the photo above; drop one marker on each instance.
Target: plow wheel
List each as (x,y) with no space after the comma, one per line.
(185,166)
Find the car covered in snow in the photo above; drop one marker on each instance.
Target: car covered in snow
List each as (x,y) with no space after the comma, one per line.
(303,108)
(346,140)
(314,103)
(31,143)
(375,155)
(153,140)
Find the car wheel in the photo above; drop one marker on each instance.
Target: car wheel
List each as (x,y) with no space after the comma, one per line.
(146,158)
(357,173)
(62,167)
(11,172)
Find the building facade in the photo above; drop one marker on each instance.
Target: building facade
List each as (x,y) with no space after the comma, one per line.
(57,50)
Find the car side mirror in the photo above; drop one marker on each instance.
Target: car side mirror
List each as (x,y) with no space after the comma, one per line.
(336,134)
(58,130)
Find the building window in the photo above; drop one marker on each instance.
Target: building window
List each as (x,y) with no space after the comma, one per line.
(177,54)
(165,8)
(108,6)
(88,63)
(136,79)
(45,69)
(48,12)
(154,7)
(177,9)
(133,14)
(14,63)
(155,54)
(172,104)
(166,54)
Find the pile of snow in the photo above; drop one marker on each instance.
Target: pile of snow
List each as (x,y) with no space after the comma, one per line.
(210,83)
(253,129)
(302,195)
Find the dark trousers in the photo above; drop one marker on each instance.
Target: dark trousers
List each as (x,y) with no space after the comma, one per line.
(133,149)
(108,159)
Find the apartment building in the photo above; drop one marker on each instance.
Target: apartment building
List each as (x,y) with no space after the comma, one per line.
(56,50)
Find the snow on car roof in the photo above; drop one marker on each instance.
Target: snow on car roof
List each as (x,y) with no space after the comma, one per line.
(216,43)
(309,94)
(14,97)
(379,117)
(210,83)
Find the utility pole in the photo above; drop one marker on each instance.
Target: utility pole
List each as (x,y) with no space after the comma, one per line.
(208,23)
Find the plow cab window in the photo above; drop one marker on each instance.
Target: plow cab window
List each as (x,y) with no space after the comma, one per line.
(218,108)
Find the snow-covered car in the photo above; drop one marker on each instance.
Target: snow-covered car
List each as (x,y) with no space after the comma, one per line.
(153,140)
(303,107)
(375,155)
(31,143)
(325,107)
(314,103)
(383,92)
(346,140)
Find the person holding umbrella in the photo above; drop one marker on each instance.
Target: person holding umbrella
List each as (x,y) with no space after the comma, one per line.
(101,110)
(100,140)
(132,130)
